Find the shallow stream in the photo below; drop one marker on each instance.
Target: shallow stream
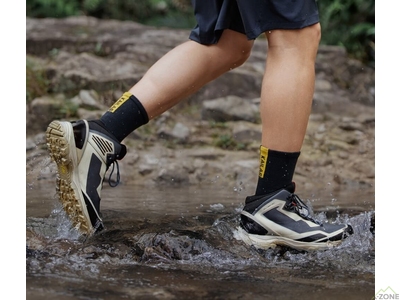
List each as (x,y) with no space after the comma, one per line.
(179,243)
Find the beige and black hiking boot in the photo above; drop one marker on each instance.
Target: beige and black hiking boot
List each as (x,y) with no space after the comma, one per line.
(281,218)
(83,156)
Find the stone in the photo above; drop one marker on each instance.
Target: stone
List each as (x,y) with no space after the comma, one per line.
(230,108)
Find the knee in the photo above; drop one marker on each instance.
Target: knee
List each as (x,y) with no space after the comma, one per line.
(239,56)
(305,40)
(315,33)
(311,40)
(309,37)
(233,49)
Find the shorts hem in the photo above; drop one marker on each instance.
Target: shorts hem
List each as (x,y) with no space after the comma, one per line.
(252,35)
(282,25)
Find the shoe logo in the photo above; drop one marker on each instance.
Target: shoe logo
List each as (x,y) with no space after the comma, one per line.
(104,145)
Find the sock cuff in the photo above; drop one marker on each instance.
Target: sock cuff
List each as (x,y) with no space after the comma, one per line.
(128,96)
(271,152)
(99,126)
(284,158)
(141,108)
(276,170)
(124,116)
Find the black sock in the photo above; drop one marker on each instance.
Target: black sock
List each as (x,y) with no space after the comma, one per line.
(276,170)
(124,116)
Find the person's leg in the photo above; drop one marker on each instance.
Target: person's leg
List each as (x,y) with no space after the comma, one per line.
(286,97)
(187,68)
(178,74)
(275,215)
(84,151)
(288,87)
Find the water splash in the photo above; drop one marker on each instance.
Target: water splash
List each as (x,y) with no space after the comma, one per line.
(168,241)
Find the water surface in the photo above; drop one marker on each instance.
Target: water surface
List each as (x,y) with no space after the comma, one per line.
(179,243)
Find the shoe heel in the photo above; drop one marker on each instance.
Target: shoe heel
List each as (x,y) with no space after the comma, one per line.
(58,147)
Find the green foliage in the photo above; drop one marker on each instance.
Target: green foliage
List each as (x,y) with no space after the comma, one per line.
(349,23)
(151,12)
(68,110)
(52,8)
(227,141)
(37,83)
(218,125)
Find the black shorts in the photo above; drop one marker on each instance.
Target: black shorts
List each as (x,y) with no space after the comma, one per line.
(250,17)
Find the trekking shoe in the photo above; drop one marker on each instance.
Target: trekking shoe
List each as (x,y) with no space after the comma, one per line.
(83,157)
(281,218)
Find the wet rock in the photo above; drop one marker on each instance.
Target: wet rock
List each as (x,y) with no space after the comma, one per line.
(179,132)
(245,171)
(230,108)
(89,100)
(351,126)
(172,175)
(322,85)
(246,132)
(42,111)
(89,114)
(87,71)
(30,144)
(170,246)
(207,153)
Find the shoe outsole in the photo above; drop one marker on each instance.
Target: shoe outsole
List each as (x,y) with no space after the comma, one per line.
(269,241)
(67,189)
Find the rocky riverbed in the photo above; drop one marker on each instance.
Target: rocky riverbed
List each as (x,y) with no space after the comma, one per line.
(79,66)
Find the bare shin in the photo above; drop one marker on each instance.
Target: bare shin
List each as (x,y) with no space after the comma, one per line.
(288,87)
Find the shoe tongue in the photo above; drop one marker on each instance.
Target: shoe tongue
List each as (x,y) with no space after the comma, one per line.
(122,152)
(291,187)
(97,126)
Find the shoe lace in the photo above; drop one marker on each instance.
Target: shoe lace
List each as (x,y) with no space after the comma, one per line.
(118,177)
(294,203)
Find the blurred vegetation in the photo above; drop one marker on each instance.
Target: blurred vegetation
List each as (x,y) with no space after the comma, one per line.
(349,23)
(37,83)
(170,13)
